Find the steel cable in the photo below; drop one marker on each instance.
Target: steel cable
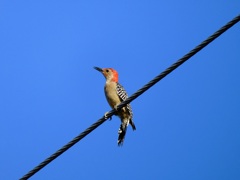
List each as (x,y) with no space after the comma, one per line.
(131,98)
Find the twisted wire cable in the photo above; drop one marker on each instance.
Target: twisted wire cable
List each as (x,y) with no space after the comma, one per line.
(131,98)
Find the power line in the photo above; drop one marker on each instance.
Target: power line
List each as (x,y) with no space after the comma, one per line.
(134,96)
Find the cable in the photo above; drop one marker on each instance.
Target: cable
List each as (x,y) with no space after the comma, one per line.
(131,98)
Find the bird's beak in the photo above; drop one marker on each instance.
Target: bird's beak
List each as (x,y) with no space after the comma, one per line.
(98,69)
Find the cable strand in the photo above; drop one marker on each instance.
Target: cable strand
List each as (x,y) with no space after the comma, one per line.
(131,98)
(180,61)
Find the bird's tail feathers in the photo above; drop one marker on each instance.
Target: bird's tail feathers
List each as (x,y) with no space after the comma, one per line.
(121,134)
(133,125)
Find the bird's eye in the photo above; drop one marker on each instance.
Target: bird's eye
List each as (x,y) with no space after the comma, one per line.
(107,70)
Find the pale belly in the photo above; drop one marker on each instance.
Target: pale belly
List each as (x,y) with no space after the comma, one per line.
(111,95)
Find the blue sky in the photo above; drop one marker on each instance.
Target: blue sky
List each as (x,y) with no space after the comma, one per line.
(187,125)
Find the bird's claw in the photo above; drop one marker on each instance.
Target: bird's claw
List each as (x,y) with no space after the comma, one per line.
(106,117)
(115,107)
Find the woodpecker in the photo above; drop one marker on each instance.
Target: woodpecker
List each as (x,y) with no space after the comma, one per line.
(115,94)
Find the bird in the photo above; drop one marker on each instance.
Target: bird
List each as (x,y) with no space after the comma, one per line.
(115,94)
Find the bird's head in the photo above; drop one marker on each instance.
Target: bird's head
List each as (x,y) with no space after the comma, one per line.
(109,73)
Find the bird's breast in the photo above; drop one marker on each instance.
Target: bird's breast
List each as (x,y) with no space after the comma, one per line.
(111,94)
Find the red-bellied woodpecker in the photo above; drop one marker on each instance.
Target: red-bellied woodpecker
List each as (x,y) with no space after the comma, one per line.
(115,94)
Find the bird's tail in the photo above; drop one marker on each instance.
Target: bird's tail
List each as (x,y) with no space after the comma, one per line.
(132,124)
(121,133)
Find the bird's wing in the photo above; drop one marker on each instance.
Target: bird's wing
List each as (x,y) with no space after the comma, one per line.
(123,96)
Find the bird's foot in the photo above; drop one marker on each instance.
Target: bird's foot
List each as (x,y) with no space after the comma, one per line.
(106,117)
(115,107)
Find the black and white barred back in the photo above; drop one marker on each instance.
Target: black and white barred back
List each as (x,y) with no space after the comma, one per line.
(123,128)
(123,96)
